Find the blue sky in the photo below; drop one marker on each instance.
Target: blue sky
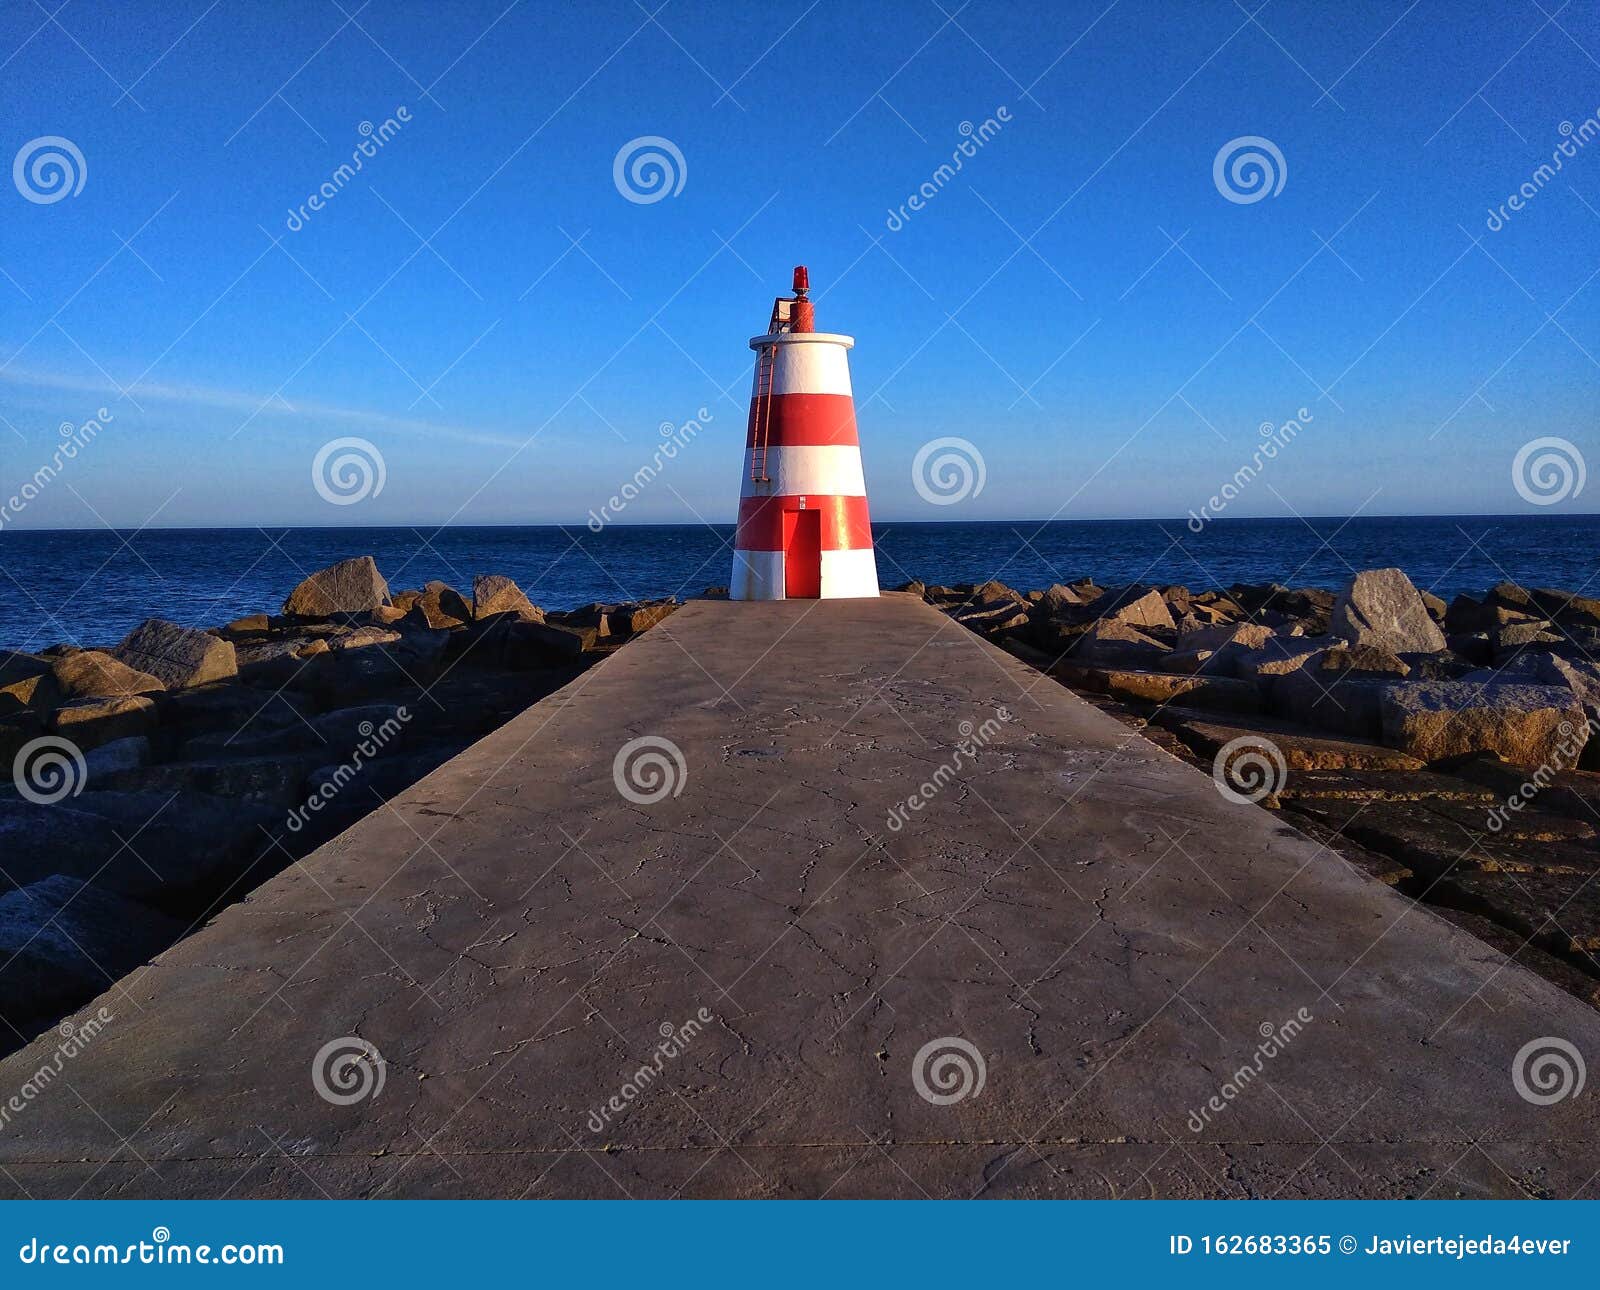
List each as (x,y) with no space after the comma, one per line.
(483,304)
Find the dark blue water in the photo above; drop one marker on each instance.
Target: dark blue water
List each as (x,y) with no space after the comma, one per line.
(91,587)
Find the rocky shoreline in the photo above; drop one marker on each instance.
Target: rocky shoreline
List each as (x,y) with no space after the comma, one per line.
(156,780)
(1446,750)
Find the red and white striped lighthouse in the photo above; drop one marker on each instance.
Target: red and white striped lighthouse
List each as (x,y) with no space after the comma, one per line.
(803,526)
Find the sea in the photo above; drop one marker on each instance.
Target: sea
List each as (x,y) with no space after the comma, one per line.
(90,587)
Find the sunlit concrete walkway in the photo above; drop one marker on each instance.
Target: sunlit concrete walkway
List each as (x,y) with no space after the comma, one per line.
(1109,936)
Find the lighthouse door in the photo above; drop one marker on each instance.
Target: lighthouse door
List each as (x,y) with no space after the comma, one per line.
(802,554)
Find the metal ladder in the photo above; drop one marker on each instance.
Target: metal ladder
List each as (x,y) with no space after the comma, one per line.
(761,413)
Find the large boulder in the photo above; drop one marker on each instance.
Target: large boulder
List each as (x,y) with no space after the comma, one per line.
(179,656)
(493,594)
(1115,644)
(1135,607)
(91,722)
(62,942)
(26,681)
(1530,725)
(438,605)
(92,674)
(349,587)
(1381,607)
(137,844)
(532,645)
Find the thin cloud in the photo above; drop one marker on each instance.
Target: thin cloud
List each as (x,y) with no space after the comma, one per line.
(256,406)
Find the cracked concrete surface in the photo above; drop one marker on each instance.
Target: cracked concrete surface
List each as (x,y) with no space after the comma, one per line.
(1088,912)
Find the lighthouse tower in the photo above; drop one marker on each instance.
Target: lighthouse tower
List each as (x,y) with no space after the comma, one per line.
(803,526)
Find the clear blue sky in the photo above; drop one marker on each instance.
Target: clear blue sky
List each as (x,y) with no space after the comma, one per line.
(508,377)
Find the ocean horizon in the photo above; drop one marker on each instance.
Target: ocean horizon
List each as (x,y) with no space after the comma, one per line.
(90,587)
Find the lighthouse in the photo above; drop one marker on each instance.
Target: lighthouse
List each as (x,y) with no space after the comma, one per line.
(803,529)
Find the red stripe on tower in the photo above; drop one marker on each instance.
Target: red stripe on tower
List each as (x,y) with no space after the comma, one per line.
(804,531)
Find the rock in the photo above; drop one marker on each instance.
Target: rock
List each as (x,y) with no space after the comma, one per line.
(62,943)
(991,591)
(1245,635)
(1381,607)
(1278,657)
(1565,607)
(1216,692)
(493,594)
(1387,786)
(1436,607)
(540,644)
(118,755)
(641,615)
(1114,643)
(1188,662)
(92,722)
(1300,748)
(1472,647)
(179,656)
(1057,599)
(1135,608)
(1365,660)
(141,845)
(349,587)
(235,710)
(1439,842)
(1560,912)
(1525,724)
(92,674)
(1468,615)
(915,587)
(276,780)
(249,625)
(439,605)
(27,681)
(16,731)
(1507,595)
(387,615)
(990,620)
(334,734)
(1578,675)
(1343,702)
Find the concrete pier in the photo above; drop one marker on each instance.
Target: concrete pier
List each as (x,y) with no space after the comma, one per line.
(1065,908)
